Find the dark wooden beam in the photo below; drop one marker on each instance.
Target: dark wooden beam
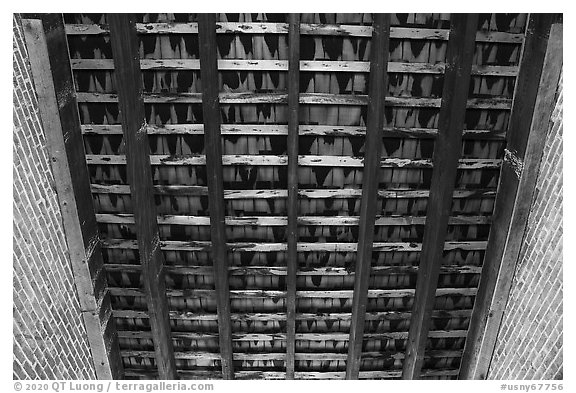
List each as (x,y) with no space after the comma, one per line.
(124,41)
(50,65)
(377,86)
(292,202)
(534,97)
(213,147)
(447,150)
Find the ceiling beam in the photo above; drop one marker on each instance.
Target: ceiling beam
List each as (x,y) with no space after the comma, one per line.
(292,201)
(447,150)
(125,49)
(540,70)
(213,147)
(377,86)
(49,60)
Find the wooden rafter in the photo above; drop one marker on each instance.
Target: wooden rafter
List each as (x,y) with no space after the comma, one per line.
(125,49)
(54,85)
(212,143)
(531,111)
(446,154)
(292,202)
(375,123)
(255,97)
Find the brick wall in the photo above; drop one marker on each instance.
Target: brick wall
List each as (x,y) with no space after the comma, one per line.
(529,343)
(49,336)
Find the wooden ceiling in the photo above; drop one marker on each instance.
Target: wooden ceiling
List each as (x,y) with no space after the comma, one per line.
(342,233)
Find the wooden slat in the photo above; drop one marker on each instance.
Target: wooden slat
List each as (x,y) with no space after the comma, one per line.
(299,336)
(301,375)
(500,103)
(292,201)
(270,294)
(57,107)
(125,49)
(340,317)
(305,28)
(122,218)
(377,85)
(282,65)
(280,194)
(213,147)
(279,129)
(446,154)
(139,373)
(303,160)
(277,355)
(282,271)
(529,123)
(173,245)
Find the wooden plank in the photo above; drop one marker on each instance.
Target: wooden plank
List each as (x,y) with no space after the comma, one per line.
(270,294)
(173,245)
(282,271)
(529,123)
(300,375)
(266,375)
(499,103)
(54,86)
(278,129)
(280,194)
(213,147)
(125,49)
(303,160)
(123,218)
(189,355)
(282,65)
(377,85)
(306,29)
(300,337)
(292,200)
(446,154)
(340,317)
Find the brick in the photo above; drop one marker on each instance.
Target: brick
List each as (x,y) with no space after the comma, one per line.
(529,345)
(50,341)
